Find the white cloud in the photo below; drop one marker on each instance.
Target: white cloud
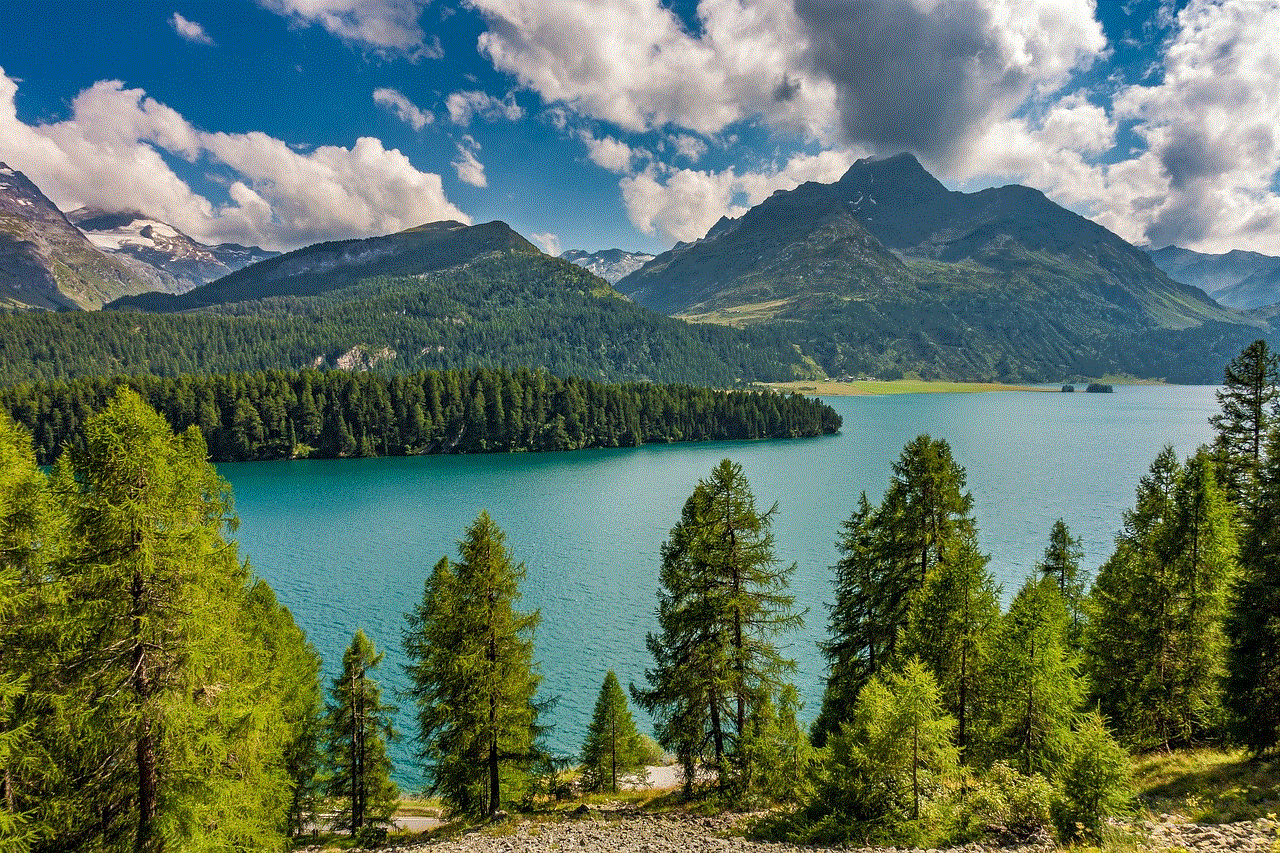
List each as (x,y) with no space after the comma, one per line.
(689,147)
(190,30)
(404,108)
(608,153)
(387,27)
(464,106)
(1203,177)
(469,168)
(632,62)
(683,204)
(550,243)
(108,154)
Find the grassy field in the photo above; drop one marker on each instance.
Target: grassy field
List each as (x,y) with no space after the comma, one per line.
(1207,785)
(828,388)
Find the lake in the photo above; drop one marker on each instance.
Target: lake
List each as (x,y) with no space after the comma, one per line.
(348,543)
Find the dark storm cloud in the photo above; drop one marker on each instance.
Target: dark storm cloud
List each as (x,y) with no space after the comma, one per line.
(911,79)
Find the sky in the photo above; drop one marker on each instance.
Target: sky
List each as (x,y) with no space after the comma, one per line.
(634,124)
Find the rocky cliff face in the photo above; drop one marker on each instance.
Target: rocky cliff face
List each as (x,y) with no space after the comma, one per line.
(46,262)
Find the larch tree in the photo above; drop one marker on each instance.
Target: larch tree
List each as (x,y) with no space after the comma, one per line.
(952,628)
(891,759)
(1250,388)
(887,553)
(1155,643)
(27,536)
(722,602)
(161,736)
(613,748)
(1061,563)
(473,679)
(1039,688)
(357,728)
(1253,622)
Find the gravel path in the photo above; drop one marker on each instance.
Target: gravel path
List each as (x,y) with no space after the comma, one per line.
(605,832)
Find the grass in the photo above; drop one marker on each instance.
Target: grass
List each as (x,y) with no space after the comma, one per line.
(829,388)
(1207,785)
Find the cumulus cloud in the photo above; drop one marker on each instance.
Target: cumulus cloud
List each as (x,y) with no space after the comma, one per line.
(929,76)
(608,153)
(689,147)
(683,204)
(110,153)
(464,106)
(387,27)
(550,243)
(634,64)
(468,166)
(1203,177)
(189,30)
(404,108)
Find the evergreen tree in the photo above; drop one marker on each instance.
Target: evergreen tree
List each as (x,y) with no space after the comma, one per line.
(952,630)
(1039,688)
(357,727)
(1253,623)
(723,600)
(887,553)
(1155,640)
(784,759)
(1248,398)
(155,733)
(613,747)
(473,676)
(1094,779)
(26,537)
(888,762)
(1061,563)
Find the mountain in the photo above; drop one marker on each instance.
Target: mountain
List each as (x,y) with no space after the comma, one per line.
(1237,278)
(441,296)
(45,262)
(610,264)
(174,262)
(886,271)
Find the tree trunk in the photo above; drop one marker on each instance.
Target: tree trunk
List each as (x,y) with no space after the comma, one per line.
(145,750)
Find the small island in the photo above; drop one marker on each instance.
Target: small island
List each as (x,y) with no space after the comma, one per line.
(1098,388)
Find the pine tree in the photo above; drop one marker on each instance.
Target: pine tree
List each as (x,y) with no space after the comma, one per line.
(1248,398)
(1040,690)
(1253,622)
(887,553)
(357,728)
(952,630)
(1155,639)
(473,676)
(723,600)
(613,748)
(1061,563)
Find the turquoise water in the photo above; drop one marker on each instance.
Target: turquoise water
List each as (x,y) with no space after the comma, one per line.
(347,543)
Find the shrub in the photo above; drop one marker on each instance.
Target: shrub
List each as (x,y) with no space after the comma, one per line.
(1093,782)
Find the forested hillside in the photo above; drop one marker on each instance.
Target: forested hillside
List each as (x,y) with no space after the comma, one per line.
(330,414)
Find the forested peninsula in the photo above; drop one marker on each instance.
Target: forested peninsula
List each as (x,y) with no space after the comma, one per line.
(332,414)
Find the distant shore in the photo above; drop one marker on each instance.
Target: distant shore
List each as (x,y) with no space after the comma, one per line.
(877,387)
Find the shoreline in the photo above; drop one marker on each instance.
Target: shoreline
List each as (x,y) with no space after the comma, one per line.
(884,387)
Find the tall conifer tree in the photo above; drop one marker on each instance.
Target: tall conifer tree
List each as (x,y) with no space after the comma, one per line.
(1248,397)
(1061,563)
(357,727)
(723,600)
(473,677)
(1253,623)
(887,553)
(1155,640)
(613,748)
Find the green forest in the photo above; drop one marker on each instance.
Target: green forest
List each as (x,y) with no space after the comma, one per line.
(155,696)
(330,414)
(505,310)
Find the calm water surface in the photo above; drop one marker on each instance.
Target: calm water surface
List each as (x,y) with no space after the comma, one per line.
(348,543)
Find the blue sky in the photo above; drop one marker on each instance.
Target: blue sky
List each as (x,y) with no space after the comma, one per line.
(636,123)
